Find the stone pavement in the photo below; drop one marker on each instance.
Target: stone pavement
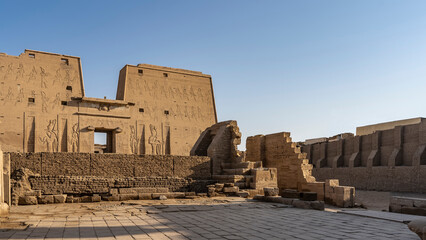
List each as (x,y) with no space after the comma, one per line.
(221,218)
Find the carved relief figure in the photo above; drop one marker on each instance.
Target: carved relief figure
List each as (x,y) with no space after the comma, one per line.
(9,95)
(44,101)
(74,138)
(133,140)
(33,75)
(8,71)
(20,72)
(58,76)
(43,75)
(20,96)
(154,141)
(51,137)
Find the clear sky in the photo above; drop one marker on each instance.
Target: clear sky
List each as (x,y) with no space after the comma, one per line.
(314,68)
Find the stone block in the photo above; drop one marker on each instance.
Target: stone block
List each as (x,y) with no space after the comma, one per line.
(27,200)
(125,197)
(309,196)
(420,203)
(175,195)
(259,197)
(190,194)
(145,196)
(332,182)
(113,191)
(85,199)
(301,204)
(271,191)
(317,205)
(242,194)
(228,185)
(418,226)
(287,201)
(114,197)
(219,187)
(413,211)
(290,193)
(231,189)
(96,198)
(46,199)
(60,198)
(202,194)
(162,197)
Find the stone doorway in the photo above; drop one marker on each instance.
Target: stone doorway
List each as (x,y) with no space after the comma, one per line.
(104,141)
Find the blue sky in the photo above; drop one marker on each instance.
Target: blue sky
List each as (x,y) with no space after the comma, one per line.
(314,68)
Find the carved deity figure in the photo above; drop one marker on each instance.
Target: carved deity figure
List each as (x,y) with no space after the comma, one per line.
(133,140)
(20,72)
(154,141)
(51,137)
(44,101)
(20,96)
(74,138)
(33,75)
(43,75)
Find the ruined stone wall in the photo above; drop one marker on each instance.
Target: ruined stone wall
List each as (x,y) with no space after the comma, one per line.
(389,160)
(113,165)
(87,185)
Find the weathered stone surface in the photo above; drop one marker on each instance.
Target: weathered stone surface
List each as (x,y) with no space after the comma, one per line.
(228,185)
(301,204)
(46,199)
(230,189)
(162,197)
(125,197)
(290,193)
(28,200)
(145,196)
(317,205)
(271,191)
(259,197)
(242,194)
(96,198)
(419,227)
(59,198)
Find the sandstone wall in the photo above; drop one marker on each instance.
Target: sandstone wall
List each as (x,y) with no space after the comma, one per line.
(113,165)
(102,185)
(389,160)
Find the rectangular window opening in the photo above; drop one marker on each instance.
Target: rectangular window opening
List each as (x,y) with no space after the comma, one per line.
(69,88)
(166,112)
(165,74)
(31,100)
(141,110)
(64,103)
(31,55)
(65,61)
(140,71)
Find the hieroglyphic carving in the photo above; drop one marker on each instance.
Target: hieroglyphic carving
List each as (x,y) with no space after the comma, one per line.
(154,141)
(43,75)
(57,100)
(51,137)
(74,138)
(44,101)
(134,142)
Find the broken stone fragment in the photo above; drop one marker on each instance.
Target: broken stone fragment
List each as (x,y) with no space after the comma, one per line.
(271,191)
(162,197)
(418,226)
(59,198)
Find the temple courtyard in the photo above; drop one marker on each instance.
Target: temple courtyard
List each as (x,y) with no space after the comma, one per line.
(201,218)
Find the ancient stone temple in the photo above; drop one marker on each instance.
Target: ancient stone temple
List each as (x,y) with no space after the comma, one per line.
(43,107)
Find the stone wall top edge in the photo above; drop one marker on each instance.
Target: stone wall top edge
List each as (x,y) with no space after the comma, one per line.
(170,69)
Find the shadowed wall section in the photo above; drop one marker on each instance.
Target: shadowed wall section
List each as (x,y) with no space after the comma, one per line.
(388,160)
